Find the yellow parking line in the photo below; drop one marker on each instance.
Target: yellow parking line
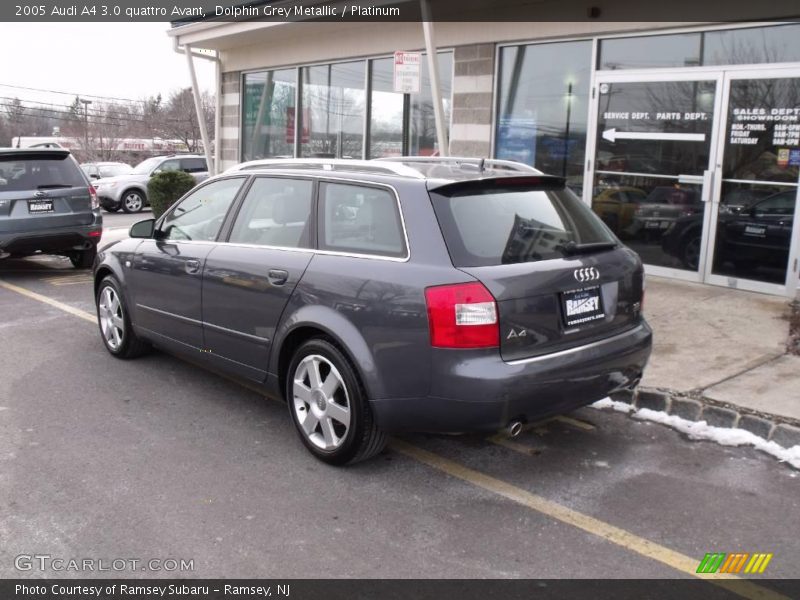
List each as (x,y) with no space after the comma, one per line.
(575,422)
(611,533)
(615,535)
(55,303)
(503,440)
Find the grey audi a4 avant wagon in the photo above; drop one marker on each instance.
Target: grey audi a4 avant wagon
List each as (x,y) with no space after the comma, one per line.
(413,294)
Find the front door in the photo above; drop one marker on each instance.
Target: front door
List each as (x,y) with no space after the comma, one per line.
(697,170)
(754,238)
(651,175)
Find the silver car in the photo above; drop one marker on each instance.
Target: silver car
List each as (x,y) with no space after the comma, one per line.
(129,192)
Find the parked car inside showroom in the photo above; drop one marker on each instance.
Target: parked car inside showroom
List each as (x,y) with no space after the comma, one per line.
(129,192)
(47,206)
(439,295)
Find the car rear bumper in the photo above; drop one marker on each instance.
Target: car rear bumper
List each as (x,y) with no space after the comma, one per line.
(109,203)
(484,393)
(57,239)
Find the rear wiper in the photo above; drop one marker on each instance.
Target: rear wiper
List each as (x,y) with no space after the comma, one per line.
(573,248)
(51,186)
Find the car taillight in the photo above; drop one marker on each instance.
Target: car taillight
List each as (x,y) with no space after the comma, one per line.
(462,316)
(93,195)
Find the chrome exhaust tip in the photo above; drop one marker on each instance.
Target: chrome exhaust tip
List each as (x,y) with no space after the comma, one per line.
(513,429)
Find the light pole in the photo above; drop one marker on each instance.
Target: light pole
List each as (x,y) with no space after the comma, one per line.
(86,104)
(566,130)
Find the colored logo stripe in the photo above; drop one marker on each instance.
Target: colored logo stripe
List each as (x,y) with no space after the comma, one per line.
(734,563)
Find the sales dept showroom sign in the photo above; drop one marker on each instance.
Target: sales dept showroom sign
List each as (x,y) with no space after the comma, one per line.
(407,72)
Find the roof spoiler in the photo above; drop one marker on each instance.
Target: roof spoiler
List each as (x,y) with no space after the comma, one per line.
(488,185)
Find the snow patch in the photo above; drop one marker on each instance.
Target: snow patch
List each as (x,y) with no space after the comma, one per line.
(701,430)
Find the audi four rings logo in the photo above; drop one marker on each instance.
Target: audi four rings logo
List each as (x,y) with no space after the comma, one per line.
(588,274)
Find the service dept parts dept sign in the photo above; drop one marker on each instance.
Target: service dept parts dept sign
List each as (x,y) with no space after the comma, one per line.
(407,72)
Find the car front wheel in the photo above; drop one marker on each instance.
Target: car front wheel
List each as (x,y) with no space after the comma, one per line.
(115,324)
(132,201)
(329,407)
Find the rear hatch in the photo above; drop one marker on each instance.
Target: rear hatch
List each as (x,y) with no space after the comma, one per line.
(559,276)
(42,190)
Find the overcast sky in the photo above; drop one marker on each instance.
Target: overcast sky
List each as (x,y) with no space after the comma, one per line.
(128,60)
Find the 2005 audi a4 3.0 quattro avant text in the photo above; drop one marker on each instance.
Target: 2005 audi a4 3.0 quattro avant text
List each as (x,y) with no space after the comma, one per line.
(437,295)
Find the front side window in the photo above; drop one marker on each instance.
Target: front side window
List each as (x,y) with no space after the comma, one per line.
(275,212)
(360,220)
(199,216)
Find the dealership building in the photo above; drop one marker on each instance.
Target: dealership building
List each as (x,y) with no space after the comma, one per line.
(683,137)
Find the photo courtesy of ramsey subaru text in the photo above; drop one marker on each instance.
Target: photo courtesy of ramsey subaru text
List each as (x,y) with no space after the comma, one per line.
(438,295)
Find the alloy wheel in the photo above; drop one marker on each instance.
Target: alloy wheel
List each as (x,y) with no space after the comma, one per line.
(112,321)
(321,402)
(133,202)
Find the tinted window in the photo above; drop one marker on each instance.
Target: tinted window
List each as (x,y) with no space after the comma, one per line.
(194,165)
(199,216)
(680,50)
(170,165)
(780,204)
(39,173)
(514,226)
(361,220)
(275,212)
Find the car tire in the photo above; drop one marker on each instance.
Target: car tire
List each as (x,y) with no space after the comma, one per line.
(329,407)
(83,259)
(690,254)
(114,322)
(111,209)
(132,201)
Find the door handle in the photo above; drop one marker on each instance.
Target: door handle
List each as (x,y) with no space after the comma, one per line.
(277,276)
(192,266)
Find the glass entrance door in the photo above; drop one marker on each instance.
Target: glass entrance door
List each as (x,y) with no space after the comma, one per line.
(755,234)
(654,153)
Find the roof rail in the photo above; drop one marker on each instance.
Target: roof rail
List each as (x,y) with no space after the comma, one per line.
(329,164)
(481,164)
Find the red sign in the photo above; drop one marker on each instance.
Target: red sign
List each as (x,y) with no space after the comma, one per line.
(304,133)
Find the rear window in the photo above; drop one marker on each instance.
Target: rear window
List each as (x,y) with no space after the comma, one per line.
(19,174)
(509,226)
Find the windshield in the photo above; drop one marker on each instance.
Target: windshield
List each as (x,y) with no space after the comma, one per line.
(144,167)
(515,226)
(114,170)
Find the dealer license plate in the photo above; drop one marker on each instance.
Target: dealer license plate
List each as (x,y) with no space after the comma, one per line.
(40,206)
(582,306)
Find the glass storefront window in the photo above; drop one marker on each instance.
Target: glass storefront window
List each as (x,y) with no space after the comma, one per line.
(423,123)
(752,45)
(654,51)
(543,107)
(268,114)
(386,111)
(333,102)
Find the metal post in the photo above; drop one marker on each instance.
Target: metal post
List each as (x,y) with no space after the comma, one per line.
(198,106)
(86,104)
(433,67)
(218,119)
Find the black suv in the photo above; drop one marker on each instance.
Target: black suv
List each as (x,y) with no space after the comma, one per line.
(47,206)
(445,295)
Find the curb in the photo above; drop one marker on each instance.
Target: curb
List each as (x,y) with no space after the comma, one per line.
(695,407)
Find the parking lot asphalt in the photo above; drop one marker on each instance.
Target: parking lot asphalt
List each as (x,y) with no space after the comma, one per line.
(156,458)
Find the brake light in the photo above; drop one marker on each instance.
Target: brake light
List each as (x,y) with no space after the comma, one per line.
(462,316)
(93,196)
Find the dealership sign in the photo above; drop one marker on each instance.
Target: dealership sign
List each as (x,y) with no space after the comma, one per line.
(407,72)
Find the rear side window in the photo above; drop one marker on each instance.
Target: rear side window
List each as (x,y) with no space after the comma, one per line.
(506,226)
(275,212)
(18,174)
(360,220)
(194,165)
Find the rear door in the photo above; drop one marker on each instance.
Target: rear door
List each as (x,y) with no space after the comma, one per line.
(559,276)
(248,281)
(165,282)
(41,191)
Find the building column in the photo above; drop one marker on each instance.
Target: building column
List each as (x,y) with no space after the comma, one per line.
(228,146)
(473,85)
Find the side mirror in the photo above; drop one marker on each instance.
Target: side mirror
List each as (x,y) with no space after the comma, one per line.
(143,229)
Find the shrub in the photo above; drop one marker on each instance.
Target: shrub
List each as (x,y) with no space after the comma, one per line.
(165,188)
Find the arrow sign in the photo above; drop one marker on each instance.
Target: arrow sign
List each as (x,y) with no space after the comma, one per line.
(613,135)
